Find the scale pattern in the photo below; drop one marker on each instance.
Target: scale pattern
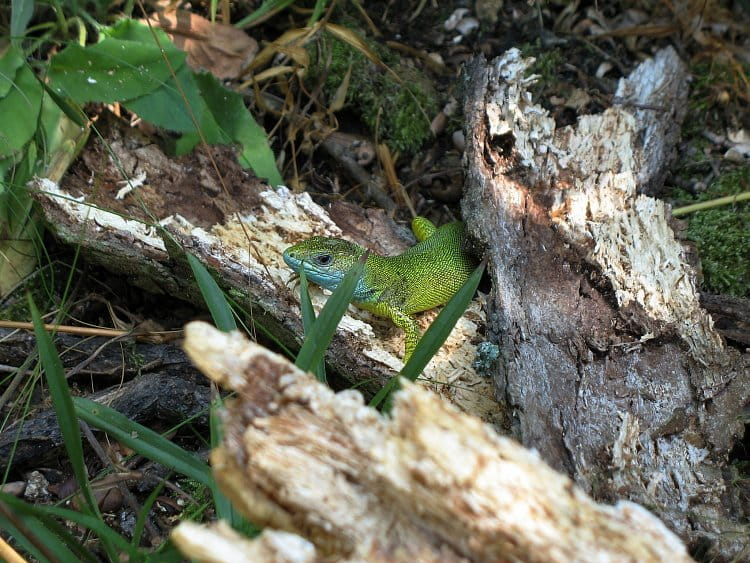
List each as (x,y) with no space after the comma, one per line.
(425,276)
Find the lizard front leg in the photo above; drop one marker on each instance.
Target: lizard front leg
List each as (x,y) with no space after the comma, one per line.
(400,319)
(410,326)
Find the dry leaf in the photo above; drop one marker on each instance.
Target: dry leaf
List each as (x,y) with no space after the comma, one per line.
(221,49)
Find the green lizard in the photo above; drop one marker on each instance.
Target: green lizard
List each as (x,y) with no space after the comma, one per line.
(395,287)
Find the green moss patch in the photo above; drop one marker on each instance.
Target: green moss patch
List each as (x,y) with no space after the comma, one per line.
(396,106)
(723,236)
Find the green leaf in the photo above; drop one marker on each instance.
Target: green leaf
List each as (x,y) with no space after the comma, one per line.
(74,112)
(63,405)
(182,144)
(125,65)
(308,319)
(434,337)
(166,107)
(217,304)
(317,340)
(138,32)
(239,125)
(12,60)
(20,15)
(19,110)
(143,440)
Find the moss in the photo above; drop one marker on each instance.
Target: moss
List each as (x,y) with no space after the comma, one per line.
(200,496)
(396,110)
(711,80)
(723,236)
(547,64)
(713,100)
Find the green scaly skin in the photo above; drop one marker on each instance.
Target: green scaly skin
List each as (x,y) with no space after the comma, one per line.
(395,287)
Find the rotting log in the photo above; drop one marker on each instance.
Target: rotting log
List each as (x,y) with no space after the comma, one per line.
(239,227)
(611,368)
(428,484)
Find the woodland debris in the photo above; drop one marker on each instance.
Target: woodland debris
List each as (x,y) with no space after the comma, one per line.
(613,371)
(428,484)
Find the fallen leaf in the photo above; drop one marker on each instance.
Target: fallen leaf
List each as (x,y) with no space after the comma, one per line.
(221,49)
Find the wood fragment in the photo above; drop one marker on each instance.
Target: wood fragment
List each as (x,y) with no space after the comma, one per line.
(610,366)
(430,484)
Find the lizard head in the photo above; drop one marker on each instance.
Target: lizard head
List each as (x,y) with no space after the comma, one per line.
(325,260)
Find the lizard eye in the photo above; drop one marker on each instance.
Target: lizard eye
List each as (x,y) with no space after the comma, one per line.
(324,259)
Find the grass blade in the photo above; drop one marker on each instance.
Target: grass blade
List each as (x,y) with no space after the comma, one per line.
(308,320)
(317,340)
(140,522)
(438,331)
(165,553)
(47,515)
(44,538)
(434,337)
(385,391)
(63,405)
(320,5)
(143,440)
(266,9)
(217,304)
(223,317)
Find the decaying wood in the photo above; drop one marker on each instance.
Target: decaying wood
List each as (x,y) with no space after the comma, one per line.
(614,372)
(244,250)
(428,484)
(217,543)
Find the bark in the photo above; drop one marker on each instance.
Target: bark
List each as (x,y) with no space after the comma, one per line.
(614,372)
(428,484)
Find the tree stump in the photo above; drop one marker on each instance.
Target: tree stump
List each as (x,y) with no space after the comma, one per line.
(611,368)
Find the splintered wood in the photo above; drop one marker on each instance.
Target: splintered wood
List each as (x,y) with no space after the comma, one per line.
(610,367)
(429,484)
